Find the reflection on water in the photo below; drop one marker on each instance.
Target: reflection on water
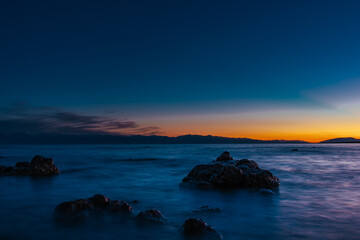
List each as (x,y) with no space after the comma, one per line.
(319,196)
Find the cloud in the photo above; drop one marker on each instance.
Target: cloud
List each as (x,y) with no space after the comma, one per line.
(22,118)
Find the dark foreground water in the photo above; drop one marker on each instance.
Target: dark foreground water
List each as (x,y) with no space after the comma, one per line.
(319,196)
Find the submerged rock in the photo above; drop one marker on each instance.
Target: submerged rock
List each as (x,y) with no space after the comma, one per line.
(294,150)
(194,227)
(152,215)
(207,209)
(231,174)
(39,166)
(96,202)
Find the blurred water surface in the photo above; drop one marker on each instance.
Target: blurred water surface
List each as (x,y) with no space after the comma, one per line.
(319,196)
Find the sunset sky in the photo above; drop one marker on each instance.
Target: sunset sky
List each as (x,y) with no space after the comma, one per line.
(257,69)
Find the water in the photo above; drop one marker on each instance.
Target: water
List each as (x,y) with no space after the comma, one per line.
(319,196)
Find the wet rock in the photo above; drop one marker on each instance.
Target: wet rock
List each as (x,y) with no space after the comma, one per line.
(152,215)
(117,205)
(41,166)
(225,156)
(266,192)
(231,174)
(197,228)
(207,209)
(294,150)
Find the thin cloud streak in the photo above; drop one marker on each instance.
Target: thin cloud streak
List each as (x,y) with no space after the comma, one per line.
(22,118)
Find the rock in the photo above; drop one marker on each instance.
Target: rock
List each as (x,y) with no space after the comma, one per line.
(74,206)
(152,215)
(231,174)
(96,202)
(117,205)
(207,209)
(266,192)
(225,156)
(41,166)
(194,227)
(100,201)
(294,150)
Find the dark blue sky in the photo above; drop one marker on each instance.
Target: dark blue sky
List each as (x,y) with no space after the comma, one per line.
(90,54)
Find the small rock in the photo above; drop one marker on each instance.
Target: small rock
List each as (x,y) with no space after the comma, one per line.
(294,150)
(266,192)
(194,227)
(117,205)
(225,156)
(207,209)
(74,206)
(152,215)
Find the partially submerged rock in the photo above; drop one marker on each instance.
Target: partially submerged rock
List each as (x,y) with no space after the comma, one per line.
(206,209)
(231,174)
(152,215)
(197,228)
(39,166)
(97,202)
(266,192)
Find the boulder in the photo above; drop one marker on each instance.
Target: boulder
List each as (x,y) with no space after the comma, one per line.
(41,166)
(152,215)
(194,227)
(231,174)
(100,201)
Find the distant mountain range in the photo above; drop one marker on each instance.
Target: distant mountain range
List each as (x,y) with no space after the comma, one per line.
(342,140)
(132,139)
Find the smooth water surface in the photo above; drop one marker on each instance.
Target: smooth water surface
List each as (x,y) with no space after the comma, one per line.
(319,196)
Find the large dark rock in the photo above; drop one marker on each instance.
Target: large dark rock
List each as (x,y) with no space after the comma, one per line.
(231,174)
(39,166)
(152,215)
(197,228)
(97,202)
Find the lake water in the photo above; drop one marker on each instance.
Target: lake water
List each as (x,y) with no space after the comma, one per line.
(319,196)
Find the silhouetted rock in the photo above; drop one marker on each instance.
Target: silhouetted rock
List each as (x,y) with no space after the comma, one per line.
(294,150)
(96,202)
(207,209)
(231,174)
(39,166)
(197,228)
(152,215)
(224,157)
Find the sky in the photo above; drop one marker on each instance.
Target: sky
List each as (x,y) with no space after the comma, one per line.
(257,69)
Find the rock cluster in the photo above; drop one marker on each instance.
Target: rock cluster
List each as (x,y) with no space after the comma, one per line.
(96,202)
(228,173)
(39,166)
